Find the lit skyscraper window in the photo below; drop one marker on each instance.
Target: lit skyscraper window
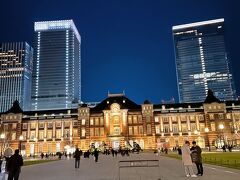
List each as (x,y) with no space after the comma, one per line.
(57,65)
(16,60)
(202,62)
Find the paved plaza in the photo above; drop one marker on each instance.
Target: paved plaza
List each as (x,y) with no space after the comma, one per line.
(107,169)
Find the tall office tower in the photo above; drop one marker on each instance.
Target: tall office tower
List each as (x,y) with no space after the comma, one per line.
(15,75)
(202,62)
(57,65)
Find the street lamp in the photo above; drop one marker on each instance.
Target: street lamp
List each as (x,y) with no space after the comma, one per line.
(221,127)
(2,137)
(35,140)
(206,131)
(20,143)
(195,132)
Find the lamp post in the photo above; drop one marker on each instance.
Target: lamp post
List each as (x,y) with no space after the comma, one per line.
(207,137)
(20,143)
(35,140)
(195,132)
(2,137)
(221,127)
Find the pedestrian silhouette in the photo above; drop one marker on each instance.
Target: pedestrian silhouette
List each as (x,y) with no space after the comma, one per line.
(14,165)
(77,155)
(96,153)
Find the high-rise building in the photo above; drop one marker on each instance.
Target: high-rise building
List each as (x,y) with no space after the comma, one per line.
(15,74)
(202,62)
(57,65)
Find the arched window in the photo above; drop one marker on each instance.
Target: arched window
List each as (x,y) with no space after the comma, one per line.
(149,129)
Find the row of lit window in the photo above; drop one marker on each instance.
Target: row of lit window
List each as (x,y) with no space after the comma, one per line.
(219,116)
(11,117)
(95,132)
(84,110)
(66,124)
(134,119)
(49,134)
(135,130)
(93,121)
(147,107)
(176,128)
(12,126)
(174,118)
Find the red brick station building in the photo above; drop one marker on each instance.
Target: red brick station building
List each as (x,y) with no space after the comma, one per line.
(118,121)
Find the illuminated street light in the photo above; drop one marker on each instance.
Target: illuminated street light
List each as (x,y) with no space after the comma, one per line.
(206,130)
(221,126)
(207,137)
(195,132)
(35,140)
(2,137)
(21,138)
(20,143)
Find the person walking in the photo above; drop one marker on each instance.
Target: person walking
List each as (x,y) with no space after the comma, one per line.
(197,157)
(116,152)
(3,173)
(42,155)
(59,155)
(187,160)
(179,150)
(112,151)
(14,166)
(96,153)
(77,155)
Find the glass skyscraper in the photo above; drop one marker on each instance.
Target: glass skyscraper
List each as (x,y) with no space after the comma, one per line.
(57,65)
(202,62)
(16,60)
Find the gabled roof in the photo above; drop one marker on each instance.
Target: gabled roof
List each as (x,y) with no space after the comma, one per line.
(147,102)
(211,98)
(120,99)
(15,108)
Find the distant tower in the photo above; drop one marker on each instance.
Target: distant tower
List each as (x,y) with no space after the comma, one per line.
(15,75)
(202,62)
(57,65)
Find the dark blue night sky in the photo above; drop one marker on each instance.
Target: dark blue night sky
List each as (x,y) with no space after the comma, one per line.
(126,44)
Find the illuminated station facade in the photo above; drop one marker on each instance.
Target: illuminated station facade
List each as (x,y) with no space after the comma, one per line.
(118,121)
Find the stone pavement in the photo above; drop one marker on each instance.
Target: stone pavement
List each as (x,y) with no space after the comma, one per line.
(107,169)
